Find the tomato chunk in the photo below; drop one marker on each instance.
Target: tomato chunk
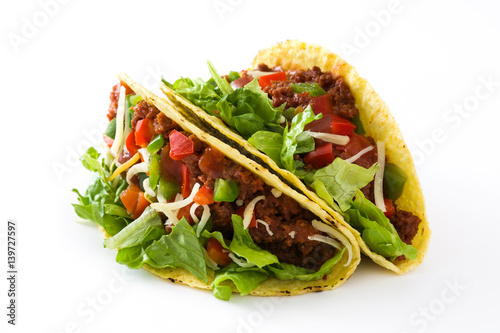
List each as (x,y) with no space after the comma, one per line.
(321,156)
(131,145)
(322,104)
(134,200)
(331,123)
(389,208)
(266,80)
(205,196)
(107,140)
(253,221)
(170,168)
(186,181)
(144,132)
(186,213)
(218,253)
(180,145)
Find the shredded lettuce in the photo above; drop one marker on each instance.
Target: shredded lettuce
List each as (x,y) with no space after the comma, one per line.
(245,280)
(342,179)
(270,143)
(101,202)
(290,142)
(376,229)
(199,92)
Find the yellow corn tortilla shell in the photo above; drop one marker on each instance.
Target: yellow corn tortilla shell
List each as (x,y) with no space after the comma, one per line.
(272,286)
(376,119)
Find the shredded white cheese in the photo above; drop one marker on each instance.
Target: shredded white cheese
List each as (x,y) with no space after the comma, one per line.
(354,158)
(335,234)
(292,234)
(239,202)
(160,197)
(326,240)
(120,120)
(147,188)
(204,219)
(170,209)
(145,154)
(264,223)
(334,138)
(282,119)
(379,177)
(277,193)
(240,262)
(135,169)
(192,211)
(248,214)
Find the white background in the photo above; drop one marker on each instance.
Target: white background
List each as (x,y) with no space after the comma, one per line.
(427,59)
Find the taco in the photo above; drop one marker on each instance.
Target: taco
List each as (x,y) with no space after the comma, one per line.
(177,201)
(305,113)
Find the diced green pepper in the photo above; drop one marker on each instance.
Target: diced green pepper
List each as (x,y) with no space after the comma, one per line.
(156,144)
(169,188)
(359,125)
(394,181)
(225,190)
(111,129)
(289,114)
(233,76)
(134,99)
(154,170)
(313,89)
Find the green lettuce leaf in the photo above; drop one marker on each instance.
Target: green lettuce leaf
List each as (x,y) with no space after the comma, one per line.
(288,271)
(341,180)
(376,229)
(180,248)
(269,143)
(244,246)
(245,280)
(134,231)
(134,256)
(290,136)
(199,92)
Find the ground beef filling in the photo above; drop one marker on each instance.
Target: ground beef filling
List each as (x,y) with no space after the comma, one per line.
(280,92)
(289,223)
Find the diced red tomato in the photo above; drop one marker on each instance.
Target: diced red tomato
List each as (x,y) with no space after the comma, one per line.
(321,156)
(131,145)
(185,212)
(211,162)
(253,222)
(144,132)
(107,140)
(322,104)
(180,145)
(266,80)
(142,203)
(205,196)
(217,253)
(134,201)
(331,123)
(356,144)
(186,181)
(389,208)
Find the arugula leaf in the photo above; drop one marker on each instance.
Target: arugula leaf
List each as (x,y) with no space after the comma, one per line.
(376,229)
(341,179)
(290,136)
(288,271)
(135,230)
(269,143)
(180,248)
(244,246)
(245,280)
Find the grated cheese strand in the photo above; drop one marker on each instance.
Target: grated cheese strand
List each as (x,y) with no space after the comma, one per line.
(135,169)
(265,225)
(192,211)
(204,219)
(335,234)
(120,120)
(379,177)
(248,213)
(239,261)
(354,158)
(334,138)
(170,208)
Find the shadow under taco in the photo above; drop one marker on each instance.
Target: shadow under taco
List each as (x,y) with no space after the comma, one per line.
(306,115)
(187,207)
